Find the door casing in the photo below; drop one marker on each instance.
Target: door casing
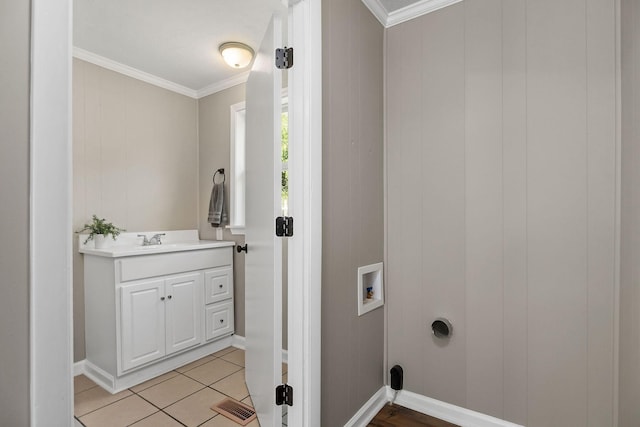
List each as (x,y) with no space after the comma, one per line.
(50,259)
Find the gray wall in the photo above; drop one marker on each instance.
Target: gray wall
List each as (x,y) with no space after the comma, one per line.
(630,250)
(214,121)
(14,212)
(501,207)
(352,205)
(135,161)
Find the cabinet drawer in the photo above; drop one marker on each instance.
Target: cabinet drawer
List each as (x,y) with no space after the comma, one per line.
(140,267)
(218,285)
(219,319)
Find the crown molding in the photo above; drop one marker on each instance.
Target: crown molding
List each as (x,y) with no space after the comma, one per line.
(112,65)
(412,11)
(417,9)
(222,85)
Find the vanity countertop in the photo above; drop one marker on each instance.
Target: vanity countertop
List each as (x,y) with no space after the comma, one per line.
(129,244)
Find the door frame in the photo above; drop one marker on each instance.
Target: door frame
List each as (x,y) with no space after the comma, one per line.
(50,216)
(305,191)
(50,255)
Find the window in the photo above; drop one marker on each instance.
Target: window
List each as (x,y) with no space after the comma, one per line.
(284,122)
(238,169)
(238,172)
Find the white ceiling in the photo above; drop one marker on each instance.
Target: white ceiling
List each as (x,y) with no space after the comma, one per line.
(174,40)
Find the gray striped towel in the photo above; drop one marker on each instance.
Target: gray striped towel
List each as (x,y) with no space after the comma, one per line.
(217,207)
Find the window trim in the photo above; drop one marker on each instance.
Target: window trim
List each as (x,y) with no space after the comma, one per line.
(235,226)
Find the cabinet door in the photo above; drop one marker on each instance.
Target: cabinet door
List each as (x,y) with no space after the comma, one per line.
(218,284)
(184,309)
(142,323)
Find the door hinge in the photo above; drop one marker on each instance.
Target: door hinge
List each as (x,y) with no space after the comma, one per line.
(284,226)
(284,58)
(284,395)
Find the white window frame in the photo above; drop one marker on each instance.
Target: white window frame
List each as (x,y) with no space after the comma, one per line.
(238,168)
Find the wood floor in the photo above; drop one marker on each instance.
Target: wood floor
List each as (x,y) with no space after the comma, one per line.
(398,416)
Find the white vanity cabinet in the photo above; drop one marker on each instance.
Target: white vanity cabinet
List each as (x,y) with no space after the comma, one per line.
(149,314)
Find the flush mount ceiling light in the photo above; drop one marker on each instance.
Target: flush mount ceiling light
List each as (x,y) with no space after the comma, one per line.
(237,55)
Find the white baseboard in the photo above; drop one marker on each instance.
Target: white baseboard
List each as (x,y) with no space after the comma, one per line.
(115,384)
(100,377)
(239,342)
(369,409)
(446,411)
(435,408)
(78,368)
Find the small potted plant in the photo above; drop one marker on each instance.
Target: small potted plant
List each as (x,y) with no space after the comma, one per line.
(99,229)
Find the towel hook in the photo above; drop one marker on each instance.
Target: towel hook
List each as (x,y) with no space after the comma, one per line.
(221,172)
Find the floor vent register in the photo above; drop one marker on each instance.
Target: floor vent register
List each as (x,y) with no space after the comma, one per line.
(235,411)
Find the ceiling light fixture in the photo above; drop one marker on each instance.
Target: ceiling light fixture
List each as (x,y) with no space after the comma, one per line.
(237,55)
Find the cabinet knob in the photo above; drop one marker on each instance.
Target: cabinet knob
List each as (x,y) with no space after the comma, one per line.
(169,297)
(220,286)
(221,320)
(161,298)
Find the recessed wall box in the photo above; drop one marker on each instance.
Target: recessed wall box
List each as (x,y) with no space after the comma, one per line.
(370,292)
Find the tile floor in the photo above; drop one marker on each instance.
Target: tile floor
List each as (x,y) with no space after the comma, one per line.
(178,398)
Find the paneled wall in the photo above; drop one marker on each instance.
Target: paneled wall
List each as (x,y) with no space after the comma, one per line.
(15,30)
(214,118)
(630,248)
(135,160)
(352,205)
(501,149)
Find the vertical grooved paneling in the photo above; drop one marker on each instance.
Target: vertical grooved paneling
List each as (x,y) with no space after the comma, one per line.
(352,156)
(630,217)
(514,199)
(405,284)
(370,201)
(557,216)
(79,205)
(112,148)
(352,346)
(514,165)
(601,184)
(16,34)
(93,140)
(484,206)
(335,157)
(442,193)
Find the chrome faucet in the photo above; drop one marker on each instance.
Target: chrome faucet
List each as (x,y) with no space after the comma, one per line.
(155,240)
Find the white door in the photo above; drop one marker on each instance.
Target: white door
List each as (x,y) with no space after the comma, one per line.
(142,323)
(263,262)
(184,309)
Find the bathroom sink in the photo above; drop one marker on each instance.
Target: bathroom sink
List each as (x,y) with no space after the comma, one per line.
(129,244)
